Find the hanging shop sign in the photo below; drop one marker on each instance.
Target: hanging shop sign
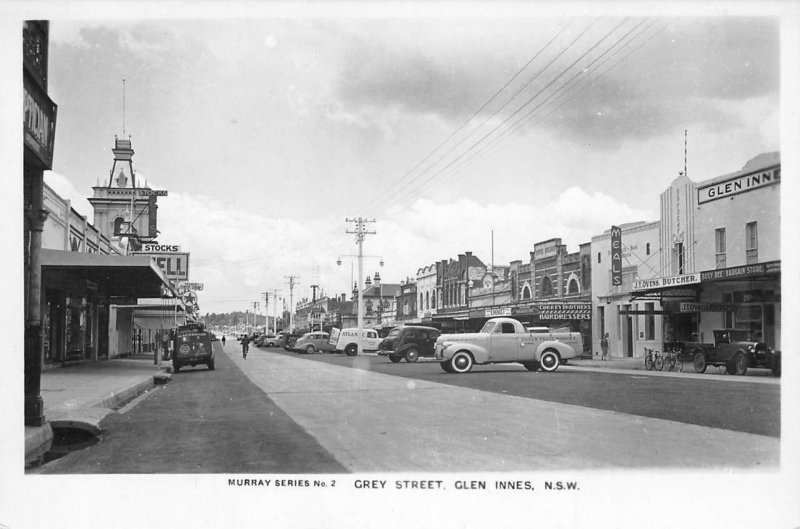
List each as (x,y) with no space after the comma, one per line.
(616,256)
(154,247)
(39,122)
(174,265)
(738,184)
(662,282)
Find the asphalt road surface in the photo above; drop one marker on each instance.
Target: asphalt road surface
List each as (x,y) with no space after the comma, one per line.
(201,422)
(729,403)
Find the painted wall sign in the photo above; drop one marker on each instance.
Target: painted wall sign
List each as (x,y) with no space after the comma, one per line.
(616,256)
(139,191)
(662,282)
(737,185)
(740,271)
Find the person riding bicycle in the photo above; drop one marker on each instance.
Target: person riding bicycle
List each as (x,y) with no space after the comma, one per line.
(245,346)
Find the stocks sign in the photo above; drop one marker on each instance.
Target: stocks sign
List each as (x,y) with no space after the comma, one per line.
(616,256)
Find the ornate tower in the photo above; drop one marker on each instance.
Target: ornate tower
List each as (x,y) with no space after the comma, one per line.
(121,209)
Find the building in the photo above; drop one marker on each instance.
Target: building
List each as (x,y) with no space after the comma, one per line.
(380,302)
(721,265)
(426,288)
(407,303)
(631,325)
(452,284)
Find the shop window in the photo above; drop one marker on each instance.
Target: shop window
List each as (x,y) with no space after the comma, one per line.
(649,321)
(751,242)
(720,246)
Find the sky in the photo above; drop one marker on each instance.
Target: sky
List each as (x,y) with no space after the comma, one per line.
(455,132)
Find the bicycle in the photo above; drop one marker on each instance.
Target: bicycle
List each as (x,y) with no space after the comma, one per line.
(674,360)
(653,359)
(245,348)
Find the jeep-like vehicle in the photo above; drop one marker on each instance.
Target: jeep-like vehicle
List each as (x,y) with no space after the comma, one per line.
(506,340)
(735,349)
(409,342)
(192,346)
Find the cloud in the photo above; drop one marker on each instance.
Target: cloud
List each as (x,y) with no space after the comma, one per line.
(65,189)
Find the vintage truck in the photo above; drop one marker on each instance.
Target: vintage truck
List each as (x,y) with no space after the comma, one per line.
(735,349)
(506,340)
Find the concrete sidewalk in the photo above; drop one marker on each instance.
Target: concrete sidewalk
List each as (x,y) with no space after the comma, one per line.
(81,395)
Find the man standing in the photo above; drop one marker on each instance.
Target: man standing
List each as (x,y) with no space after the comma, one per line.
(245,345)
(604,347)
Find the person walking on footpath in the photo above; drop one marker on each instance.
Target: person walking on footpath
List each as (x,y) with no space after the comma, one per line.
(223,340)
(245,346)
(604,346)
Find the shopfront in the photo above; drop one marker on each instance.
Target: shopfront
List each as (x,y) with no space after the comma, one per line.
(80,295)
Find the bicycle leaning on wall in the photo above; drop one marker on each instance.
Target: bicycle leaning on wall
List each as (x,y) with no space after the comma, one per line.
(673,360)
(653,359)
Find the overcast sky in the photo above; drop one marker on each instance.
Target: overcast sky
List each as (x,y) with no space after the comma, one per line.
(268,132)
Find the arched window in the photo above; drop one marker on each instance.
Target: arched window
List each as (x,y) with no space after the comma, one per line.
(433,301)
(573,287)
(420,301)
(118,225)
(526,291)
(427,300)
(547,287)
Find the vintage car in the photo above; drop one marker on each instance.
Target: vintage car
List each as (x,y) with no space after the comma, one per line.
(313,342)
(192,346)
(409,342)
(346,340)
(506,340)
(735,349)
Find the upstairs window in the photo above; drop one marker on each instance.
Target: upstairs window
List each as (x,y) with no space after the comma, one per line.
(751,242)
(720,246)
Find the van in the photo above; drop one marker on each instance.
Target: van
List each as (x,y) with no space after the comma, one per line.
(192,346)
(346,340)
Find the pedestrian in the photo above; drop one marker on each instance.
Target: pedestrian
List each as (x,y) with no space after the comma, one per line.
(245,346)
(223,340)
(604,347)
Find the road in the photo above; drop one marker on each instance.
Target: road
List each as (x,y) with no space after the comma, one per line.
(739,404)
(202,422)
(288,413)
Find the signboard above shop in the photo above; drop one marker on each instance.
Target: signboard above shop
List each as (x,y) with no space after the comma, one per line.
(739,184)
(174,265)
(664,282)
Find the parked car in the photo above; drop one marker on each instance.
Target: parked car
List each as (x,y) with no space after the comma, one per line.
(735,349)
(346,340)
(409,342)
(313,342)
(268,340)
(192,346)
(506,340)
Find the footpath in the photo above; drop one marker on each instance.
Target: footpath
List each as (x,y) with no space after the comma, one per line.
(82,395)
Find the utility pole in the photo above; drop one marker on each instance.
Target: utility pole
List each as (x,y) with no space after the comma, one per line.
(275,311)
(266,312)
(360,232)
(255,314)
(291,300)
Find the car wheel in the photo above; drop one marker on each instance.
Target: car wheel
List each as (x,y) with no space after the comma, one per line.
(394,359)
(211,365)
(738,364)
(699,361)
(351,350)
(311,350)
(532,366)
(271,344)
(446,366)
(461,362)
(549,361)
(412,355)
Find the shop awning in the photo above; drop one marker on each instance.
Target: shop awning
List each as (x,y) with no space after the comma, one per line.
(133,276)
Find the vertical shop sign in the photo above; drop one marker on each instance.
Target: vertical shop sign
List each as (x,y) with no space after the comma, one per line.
(616,256)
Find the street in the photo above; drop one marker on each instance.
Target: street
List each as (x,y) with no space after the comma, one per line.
(288,413)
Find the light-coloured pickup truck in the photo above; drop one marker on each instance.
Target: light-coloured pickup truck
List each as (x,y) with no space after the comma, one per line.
(505,340)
